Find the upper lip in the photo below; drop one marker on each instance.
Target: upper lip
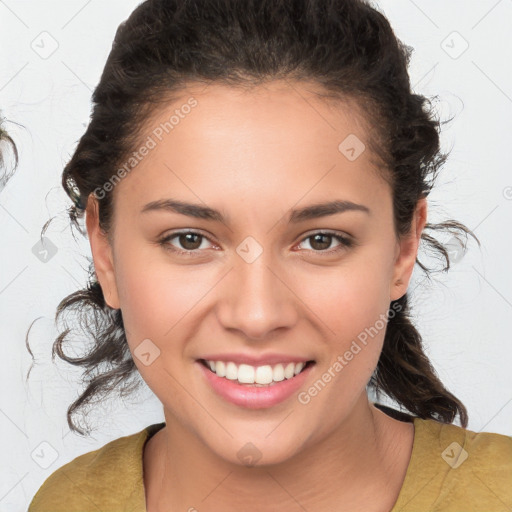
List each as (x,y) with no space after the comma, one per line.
(261,360)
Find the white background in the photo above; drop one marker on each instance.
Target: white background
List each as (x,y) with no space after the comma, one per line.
(463,315)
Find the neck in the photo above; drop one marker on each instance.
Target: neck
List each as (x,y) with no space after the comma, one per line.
(358,466)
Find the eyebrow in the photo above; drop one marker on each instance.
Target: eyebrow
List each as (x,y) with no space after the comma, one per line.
(298,215)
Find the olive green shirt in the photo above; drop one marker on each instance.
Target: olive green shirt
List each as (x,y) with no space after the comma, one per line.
(451,470)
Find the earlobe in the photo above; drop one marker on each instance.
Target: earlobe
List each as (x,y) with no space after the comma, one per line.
(408,251)
(102,254)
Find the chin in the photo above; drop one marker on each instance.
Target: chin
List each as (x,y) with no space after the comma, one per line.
(258,451)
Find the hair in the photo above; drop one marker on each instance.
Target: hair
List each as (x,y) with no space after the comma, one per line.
(348,49)
(6,142)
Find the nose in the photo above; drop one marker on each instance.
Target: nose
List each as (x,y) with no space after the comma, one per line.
(257,299)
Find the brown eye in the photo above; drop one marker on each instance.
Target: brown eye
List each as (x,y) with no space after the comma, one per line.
(188,242)
(320,243)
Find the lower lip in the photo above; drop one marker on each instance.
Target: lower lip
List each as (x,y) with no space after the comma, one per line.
(252,397)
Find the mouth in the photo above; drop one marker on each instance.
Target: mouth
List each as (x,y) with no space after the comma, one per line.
(256,376)
(253,394)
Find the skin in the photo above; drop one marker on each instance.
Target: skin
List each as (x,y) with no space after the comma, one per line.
(254,155)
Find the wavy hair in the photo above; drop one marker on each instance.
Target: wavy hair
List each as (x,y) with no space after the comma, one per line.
(7,144)
(348,49)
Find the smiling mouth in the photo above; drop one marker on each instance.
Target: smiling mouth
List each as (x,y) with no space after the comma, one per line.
(263,376)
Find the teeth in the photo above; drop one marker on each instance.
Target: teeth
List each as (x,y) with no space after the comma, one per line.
(231,371)
(246,374)
(263,375)
(278,372)
(289,370)
(219,368)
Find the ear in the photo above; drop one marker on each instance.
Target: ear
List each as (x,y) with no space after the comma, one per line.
(102,254)
(407,249)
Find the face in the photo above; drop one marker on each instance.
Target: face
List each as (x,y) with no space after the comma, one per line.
(264,275)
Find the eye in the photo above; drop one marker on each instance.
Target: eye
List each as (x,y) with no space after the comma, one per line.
(321,241)
(191,241)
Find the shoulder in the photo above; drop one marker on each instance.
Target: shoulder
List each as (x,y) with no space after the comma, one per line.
(453,468)
(483,451)
(103,479)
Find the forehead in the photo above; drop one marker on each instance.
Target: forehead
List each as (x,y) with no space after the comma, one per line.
(258,113)
(276,138)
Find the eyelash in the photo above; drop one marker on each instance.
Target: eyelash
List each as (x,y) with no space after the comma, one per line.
(345,243)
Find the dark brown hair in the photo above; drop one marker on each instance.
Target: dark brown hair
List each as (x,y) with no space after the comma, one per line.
(6,142)
(348,49)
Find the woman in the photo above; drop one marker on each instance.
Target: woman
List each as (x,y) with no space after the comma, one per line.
(254,181)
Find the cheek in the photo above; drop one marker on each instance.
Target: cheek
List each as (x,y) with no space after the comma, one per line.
(155,300)
(352,302)
(156,295)
(350,298)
